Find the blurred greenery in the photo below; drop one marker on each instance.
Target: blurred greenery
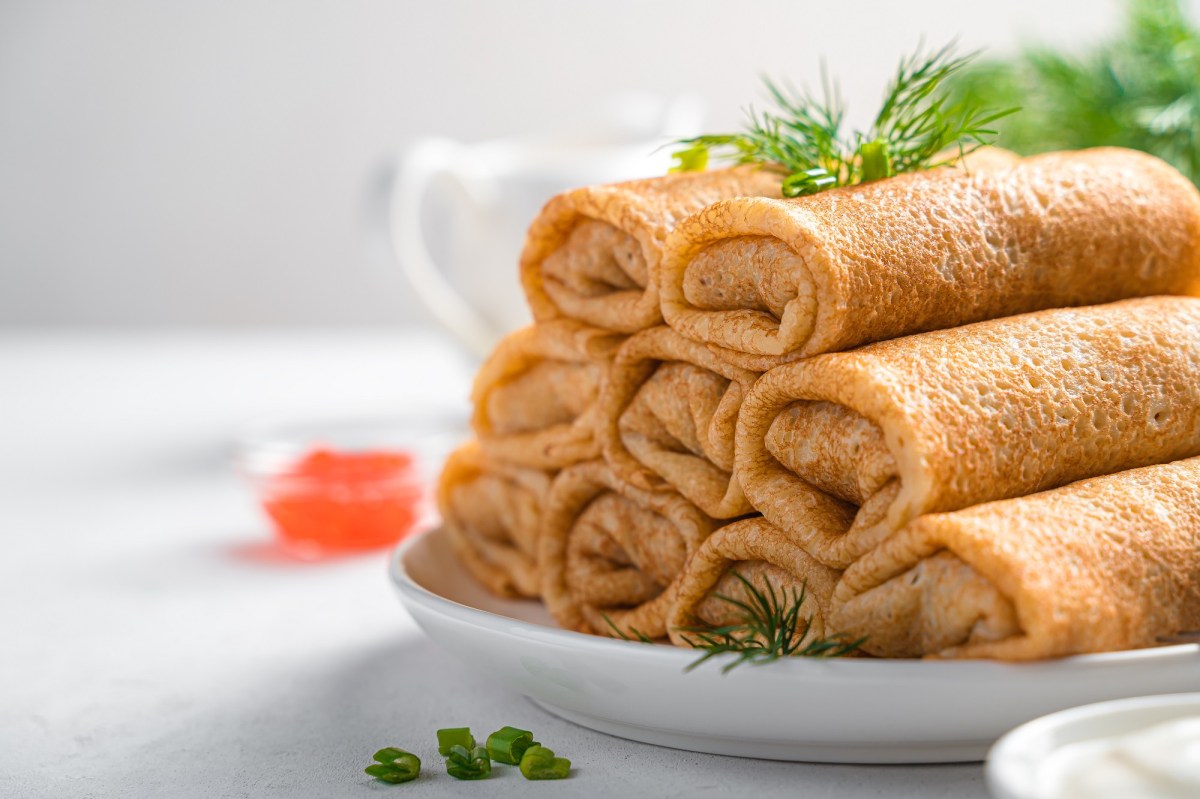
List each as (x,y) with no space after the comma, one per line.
(1140,89)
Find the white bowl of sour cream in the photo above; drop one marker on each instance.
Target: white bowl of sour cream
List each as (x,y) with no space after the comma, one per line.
(1147,747)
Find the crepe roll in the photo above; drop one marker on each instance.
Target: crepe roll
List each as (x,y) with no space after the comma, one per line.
(769,281)
(751,552)
(593,253)
(1104,564)
(668,414)
(535,397)
(943,420)
(609,554)
(491,511)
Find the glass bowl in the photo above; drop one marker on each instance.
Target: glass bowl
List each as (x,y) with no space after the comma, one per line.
(341,485)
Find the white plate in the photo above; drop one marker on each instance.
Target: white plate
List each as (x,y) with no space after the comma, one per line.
(834,711)
(1012,767)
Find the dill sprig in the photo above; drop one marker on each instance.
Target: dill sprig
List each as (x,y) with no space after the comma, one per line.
(771,628)
(803,139)
(637,635)
(1139,89)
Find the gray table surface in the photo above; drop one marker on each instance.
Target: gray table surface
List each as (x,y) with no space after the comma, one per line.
(155,644)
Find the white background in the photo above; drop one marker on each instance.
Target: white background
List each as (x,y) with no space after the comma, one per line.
(206,163)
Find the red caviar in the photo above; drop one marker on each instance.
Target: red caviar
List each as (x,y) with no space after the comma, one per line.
(340,501)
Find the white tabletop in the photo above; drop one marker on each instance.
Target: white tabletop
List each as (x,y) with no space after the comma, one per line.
(150,645)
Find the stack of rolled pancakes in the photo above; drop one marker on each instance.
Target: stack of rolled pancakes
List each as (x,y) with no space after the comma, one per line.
(959,409)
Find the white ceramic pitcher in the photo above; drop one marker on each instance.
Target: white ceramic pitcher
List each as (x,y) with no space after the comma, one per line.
(487,193)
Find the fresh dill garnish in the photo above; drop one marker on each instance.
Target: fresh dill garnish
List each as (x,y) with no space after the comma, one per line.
(803,139)
(1140,89)
(771,628)
(638,635)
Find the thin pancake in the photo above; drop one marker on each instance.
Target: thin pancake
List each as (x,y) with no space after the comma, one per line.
(535,396)
(492,511)
(1104,564)
(768,281)
(593,253)
(609,553)
(668,413)
(948,419)
(763,555)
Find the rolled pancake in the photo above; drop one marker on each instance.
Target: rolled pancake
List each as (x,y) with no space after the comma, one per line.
(940,421)
(979,159)
(767,558)
(535,397)
(1104,564)
(769,281)
(668,412)
(592,254)
(609,553)
(492,511)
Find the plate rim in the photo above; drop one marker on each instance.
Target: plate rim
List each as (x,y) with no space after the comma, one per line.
(409,588)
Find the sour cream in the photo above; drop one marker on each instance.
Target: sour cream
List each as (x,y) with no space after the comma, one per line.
(1158,762)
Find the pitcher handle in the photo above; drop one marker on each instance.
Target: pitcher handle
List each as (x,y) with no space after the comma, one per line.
(420,166)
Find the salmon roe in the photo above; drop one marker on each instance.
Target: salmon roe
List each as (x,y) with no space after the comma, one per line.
(330,501)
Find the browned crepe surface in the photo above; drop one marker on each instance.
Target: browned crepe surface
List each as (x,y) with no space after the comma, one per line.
(668,413)
(766,557)
(944,420)
(535,396)
(770,280)
(492,511)
(1104,564)
(592,254)
(609,553)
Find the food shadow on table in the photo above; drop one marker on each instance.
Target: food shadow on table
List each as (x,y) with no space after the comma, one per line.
(311,730)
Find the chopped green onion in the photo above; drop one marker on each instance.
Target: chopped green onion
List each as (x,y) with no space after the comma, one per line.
(454,736)
(539,763)
(692,159)
(394,765)
(810,181)
(876,160)
(508,744)
(468,764)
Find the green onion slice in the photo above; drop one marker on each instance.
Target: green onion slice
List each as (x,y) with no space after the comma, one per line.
(539,763)
(876,160)
(394,765)
(454,736)
(508,744)
(692,159)
(468,764)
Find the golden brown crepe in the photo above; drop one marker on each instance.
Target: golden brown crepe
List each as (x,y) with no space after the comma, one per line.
(609,553)
(668,411)
(978,160)
(763,555)
(492,511)
(592,254)
(535,396)
(770,280)
(940,421)
(1104,564)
